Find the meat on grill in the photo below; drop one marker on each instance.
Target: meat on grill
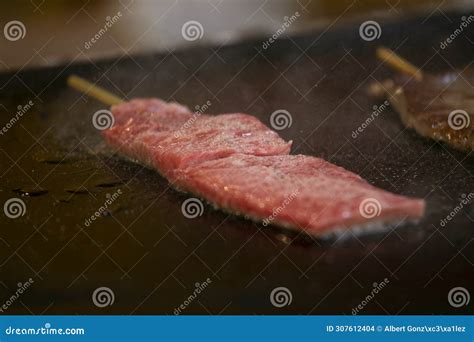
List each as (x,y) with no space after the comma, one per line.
(241,166)
(440,107)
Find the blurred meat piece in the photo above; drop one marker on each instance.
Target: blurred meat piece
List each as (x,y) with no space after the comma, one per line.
(440,107)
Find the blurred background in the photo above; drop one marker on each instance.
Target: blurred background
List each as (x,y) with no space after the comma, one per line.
(144,249)
(58,32)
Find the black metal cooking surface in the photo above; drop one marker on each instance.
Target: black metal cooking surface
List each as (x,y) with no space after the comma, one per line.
(151,256)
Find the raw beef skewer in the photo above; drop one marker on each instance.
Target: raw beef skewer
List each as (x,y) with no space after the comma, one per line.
(239,165)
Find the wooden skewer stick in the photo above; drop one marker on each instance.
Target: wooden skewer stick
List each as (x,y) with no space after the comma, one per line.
(93,90)
(399,63)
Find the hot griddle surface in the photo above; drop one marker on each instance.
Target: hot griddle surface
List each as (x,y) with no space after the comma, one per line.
(151,256)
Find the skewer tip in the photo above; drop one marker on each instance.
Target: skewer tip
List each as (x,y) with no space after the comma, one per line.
(397,62)
(93,90)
